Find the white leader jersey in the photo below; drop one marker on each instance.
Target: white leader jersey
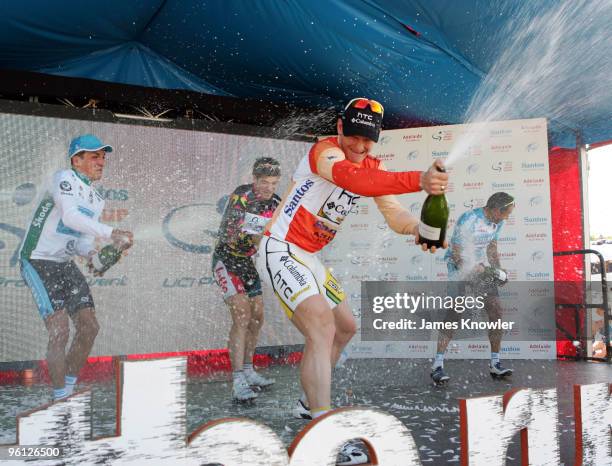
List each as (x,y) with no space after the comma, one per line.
(66,220)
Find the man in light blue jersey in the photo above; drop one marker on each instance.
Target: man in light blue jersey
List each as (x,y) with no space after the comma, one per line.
(473,245)
(65,223)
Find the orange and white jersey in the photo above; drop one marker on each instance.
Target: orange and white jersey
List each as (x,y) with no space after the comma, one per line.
(314,208)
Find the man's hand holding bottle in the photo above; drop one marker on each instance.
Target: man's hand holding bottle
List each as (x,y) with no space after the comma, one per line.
(122,239)
(110,254)
(431,232)
(489,274)
(435,179)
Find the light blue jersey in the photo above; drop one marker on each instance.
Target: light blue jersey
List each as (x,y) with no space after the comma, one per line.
(472,234)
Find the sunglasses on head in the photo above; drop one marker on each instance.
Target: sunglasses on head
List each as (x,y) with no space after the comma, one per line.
(506,206)
(362,102)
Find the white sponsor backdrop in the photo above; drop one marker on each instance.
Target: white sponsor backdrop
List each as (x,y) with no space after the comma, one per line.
(510,156)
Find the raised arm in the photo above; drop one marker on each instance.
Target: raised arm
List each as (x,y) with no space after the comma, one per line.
(329,162)
(397,217)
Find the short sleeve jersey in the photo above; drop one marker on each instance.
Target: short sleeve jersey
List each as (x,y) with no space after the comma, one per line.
(245,216)
(473,233)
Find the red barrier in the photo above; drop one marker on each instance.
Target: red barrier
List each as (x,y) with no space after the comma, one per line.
(568,234)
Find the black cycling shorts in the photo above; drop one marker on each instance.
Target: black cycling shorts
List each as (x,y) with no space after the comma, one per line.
(56,285)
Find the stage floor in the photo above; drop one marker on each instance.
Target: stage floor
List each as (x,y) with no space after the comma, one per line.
(399,387)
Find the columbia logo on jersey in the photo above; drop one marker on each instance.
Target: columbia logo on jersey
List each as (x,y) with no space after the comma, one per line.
(299,194)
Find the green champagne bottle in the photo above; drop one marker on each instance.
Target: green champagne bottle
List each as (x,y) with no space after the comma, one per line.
(434,217)
(105,259)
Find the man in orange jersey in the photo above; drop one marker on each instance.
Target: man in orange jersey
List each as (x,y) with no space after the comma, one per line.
(326,186)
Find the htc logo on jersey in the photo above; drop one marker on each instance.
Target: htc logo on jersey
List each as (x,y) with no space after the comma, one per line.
(299,194)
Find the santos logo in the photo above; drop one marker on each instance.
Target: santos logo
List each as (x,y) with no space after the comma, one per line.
(299,194)
(535,220)
(532,147)
(416,278)
(537,256)
(500,132)
(532,166)
(413,155)
(502,186)
(511,349)
(537,276)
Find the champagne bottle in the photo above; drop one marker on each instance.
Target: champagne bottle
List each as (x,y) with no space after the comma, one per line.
(434,217)
(105,259)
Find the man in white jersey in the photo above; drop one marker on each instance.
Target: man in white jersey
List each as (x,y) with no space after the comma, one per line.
(65,223)
(326,186)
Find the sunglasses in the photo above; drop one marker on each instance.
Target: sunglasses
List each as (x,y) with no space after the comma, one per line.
(505,207)
(361,102)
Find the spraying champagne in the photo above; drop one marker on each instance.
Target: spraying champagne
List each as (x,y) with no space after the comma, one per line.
(434,218)
(110,254)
